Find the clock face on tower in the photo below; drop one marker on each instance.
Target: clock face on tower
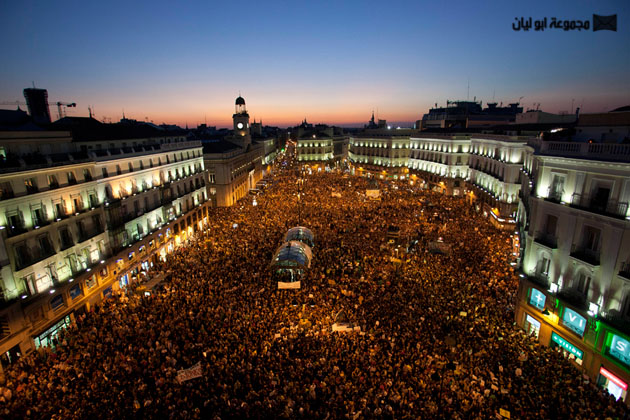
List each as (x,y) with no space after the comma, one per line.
(240,126)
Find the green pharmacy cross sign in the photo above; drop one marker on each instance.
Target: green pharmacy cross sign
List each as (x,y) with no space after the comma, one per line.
(537,299)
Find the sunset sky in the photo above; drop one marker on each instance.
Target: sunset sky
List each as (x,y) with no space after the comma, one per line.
(331,62)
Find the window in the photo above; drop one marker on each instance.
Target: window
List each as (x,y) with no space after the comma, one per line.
(591,238)
(78,204)
(583,283)
(93,200)
(118,170)
(71,178)
(65,238)
(56,302)
(53,182)
(96,221)
(60,211)
(38,216)
(45,248)
(87,175)
(543,266)
(141,164)
(599,201)
(130,167)
(22,255)
(75,291)
(31,185)
(105,174)
(90,282)
(550,226)
(6,191)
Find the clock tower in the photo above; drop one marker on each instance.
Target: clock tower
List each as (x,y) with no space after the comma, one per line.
(241,121)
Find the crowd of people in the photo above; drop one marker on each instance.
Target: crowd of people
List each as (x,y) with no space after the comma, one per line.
(437,335)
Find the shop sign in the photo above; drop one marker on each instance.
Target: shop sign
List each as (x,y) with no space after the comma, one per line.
(537,299)
(567,346)
(533,321)
(574,321)
(621,384)
(620,349)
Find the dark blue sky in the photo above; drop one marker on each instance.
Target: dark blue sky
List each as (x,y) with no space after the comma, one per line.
(326,61)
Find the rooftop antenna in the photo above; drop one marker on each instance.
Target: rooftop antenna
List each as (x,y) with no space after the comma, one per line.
(493,91)
(123,110)
(468,90)
(90,111)
(572,100)
(33,84)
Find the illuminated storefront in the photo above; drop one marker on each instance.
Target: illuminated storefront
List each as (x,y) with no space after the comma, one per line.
(46,338)
(532,325)
(614,385)
(568,349)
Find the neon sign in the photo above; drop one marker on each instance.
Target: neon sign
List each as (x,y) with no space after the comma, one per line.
(537,299)
(621,384)
(620,349)
(574,321)
(567,346)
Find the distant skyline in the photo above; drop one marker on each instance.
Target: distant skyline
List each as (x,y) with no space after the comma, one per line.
(329,62)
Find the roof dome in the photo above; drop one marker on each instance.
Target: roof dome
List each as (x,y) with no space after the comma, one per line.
(240,101)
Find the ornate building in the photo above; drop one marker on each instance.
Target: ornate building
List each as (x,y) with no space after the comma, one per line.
(235,164)
(84,212)
(574,292)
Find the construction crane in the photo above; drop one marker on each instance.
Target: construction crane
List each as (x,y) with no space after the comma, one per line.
(67,105)
(60,106)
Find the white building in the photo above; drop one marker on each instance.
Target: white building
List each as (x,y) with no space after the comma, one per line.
(234,165)
(82,214)
(484,166)
(575,287)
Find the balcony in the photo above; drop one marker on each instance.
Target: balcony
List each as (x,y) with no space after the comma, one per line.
(585,254)
(611,208)
(574,298)
(554,196)
(28,260)
(546,239)
(541,279)
(89,233)
(17,229)
(66,243)
(616,320)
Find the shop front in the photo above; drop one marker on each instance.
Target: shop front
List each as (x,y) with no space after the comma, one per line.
(612,383)
(532,325)
(568,350)
(46,338)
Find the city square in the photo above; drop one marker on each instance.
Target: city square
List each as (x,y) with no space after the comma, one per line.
(433,334)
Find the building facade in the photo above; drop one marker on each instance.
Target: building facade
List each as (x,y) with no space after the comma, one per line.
(81,216)
(574,292)
(235,164)
(487,167)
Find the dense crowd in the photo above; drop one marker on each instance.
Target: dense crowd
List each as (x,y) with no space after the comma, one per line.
(437,336)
